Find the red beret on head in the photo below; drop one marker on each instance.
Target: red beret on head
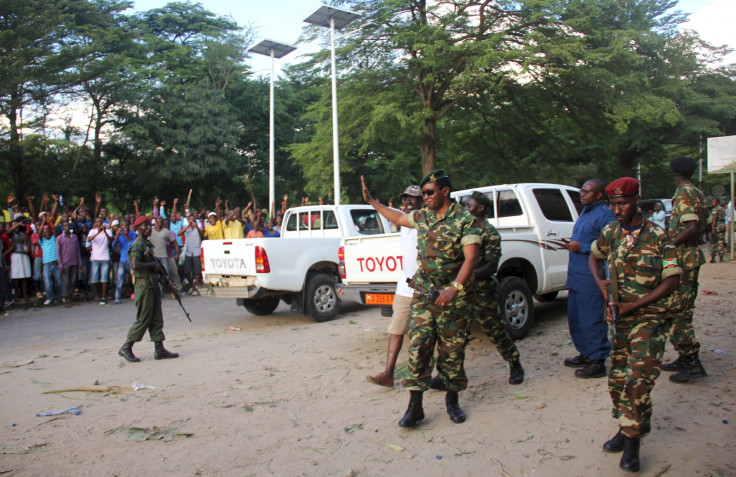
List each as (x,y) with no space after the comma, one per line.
(141,220)
(623,186)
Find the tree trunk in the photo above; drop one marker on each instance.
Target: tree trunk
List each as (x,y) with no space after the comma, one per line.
(428,147)
(17,158)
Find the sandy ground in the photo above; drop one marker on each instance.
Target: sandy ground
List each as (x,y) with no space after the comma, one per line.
(281,395)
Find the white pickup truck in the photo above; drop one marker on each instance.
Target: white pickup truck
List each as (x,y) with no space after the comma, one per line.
(534,220)
(300,267)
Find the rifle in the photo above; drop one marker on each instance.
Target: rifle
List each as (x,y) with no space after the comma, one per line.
(612,297)
(163,279)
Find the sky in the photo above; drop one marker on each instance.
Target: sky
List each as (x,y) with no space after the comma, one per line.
(282,21)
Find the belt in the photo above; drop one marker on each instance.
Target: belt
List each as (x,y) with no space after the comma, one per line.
(51,263)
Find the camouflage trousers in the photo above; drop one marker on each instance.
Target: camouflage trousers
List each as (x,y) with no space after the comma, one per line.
(636,361)
(681,331)
(447,328)
(717,245)
(491,320)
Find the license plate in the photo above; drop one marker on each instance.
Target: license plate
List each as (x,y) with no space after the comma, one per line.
(379,299)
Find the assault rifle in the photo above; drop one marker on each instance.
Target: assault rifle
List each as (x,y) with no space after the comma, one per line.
(163,279)
(612,297)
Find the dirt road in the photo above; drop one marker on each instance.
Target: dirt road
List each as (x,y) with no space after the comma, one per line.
(281,395)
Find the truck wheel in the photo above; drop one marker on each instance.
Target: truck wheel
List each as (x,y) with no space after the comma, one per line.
(387,311)
(262,306)
(547,296)
(517,306)
(322,303)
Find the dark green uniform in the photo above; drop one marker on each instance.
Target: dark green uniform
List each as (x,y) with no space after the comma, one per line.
(147,296)
(641,260)
(718,239)
(688,204)
(440,257)
(486,297)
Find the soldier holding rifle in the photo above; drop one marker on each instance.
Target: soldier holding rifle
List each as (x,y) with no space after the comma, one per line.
(645,272)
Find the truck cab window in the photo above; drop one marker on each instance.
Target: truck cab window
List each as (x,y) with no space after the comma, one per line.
(575,197)
(508,204)
(367,223)
(330,222)
(553,205)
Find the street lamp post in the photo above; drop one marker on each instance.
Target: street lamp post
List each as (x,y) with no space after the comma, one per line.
(273,49)
(334,19)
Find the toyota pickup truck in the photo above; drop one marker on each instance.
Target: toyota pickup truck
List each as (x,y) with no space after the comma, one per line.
(534,220)
(300,267)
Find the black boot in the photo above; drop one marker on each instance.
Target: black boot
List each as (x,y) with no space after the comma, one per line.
(453,408)
(516,373)
(126,351)
(596,369)
(615,444)
(630,459)
(675,365)
(691,370)
(162,353)
(414,413)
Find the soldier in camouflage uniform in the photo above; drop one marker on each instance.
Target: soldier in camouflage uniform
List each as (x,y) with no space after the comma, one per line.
(448,239)
(147,296)
(486,295)
(687,223)
(717,232)
(645,272)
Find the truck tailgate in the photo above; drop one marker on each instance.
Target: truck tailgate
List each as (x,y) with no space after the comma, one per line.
(375,259)
(229,257)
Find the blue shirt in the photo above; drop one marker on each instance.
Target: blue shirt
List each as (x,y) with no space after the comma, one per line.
(586,231)
(49,249)
(125,245)
(176,228)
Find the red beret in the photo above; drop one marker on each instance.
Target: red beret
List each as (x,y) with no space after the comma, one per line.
(623,186)
(141,220)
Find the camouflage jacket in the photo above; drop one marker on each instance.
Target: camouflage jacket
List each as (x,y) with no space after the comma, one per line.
(718,219)
(490,246)
(641,261)
(688,204)
(440,244)
(142,249)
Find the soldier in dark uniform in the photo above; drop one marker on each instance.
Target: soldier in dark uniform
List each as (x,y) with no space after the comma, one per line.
(486,294)
(147,296)
(441,312)
(688,220)
(644,270)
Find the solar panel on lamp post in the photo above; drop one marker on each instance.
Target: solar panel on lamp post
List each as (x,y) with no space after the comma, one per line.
(334,19)
(274,49)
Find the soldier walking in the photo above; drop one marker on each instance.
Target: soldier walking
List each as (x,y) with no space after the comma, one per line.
(149,315)
(644,273)
(718,231)
(689,215)
(441,312)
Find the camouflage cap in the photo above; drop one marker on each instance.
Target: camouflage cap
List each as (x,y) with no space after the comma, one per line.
(434,176)
(623,186)
(412,190)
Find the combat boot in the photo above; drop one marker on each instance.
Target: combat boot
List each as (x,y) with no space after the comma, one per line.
(516,373)
(453,408)
(414,413)
(615,444)
(675,365)
(691,369)
(596,369)
(162,353)
(126,351)
(630,458)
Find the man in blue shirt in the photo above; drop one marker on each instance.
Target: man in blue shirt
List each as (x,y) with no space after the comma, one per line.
(585,304)
(124,238)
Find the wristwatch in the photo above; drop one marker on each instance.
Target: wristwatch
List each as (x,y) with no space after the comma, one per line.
(458,286)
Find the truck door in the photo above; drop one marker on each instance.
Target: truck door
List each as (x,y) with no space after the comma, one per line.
(555,228)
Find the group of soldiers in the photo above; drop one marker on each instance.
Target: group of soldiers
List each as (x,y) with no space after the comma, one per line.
(649,297)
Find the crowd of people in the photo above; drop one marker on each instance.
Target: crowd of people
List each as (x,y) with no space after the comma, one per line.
(61,255)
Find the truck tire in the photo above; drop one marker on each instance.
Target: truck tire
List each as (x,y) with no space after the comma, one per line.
(547,296)
(322,303)
(387,311)
(517,306)
(262,306)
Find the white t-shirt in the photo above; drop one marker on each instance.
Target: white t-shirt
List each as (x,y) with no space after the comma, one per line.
(100,249)
(408,259)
